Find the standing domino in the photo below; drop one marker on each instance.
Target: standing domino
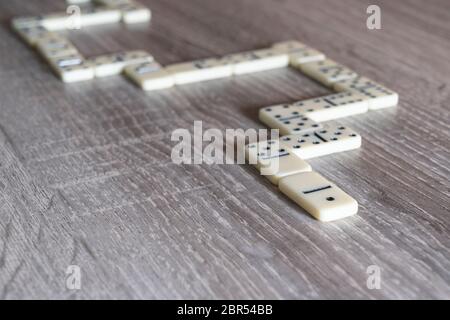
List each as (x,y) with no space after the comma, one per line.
(378,96)
(330,139)
(274,161)
(289,119)
(334,106)
(321,198)
(327,71)
(150,76)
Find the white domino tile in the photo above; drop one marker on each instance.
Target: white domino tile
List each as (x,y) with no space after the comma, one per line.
(327,71)
(55,47)
(54,41)
(274,161)
(26,22)
(200,70)
(113,64)
(378,96)
(135,13)
(56,21)
(32,35)
(131,11)
(257,60)
(98,16)
(332,138)
(288,118)
(319,197)
(299,53)
(112,3)
(74,73)
(289,46)
(67,61)
(89,16)
(334,106)
(150,76)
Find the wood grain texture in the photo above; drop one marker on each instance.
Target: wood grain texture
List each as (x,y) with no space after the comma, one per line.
(86,176)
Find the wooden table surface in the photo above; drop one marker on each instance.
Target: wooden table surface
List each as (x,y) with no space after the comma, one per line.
(86,177)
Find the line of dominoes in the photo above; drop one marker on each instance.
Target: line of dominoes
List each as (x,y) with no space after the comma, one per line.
(139,66)
(41,32)
(305,136)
